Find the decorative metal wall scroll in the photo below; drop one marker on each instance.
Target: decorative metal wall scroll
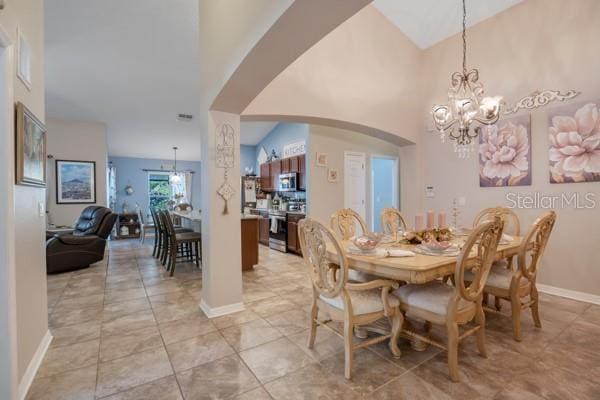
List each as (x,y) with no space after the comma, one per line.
(225,158)
(541,98)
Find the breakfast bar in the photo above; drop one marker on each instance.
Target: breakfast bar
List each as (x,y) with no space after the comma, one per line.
(249,225)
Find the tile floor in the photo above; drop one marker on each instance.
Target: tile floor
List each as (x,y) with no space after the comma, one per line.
(128,331)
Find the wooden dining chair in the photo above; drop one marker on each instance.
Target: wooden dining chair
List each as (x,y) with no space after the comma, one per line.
(356,304)
(143,225)
(345,221)
(392,220)
(439,303)
(185,244)
(512,226)
(517,283)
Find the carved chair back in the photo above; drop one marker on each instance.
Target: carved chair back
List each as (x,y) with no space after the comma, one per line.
(392,220)
(344,221)
(534,243)
(484,240)
(512,225)
(329,273)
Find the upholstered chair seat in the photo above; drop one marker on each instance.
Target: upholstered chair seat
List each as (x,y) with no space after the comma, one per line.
(500,276)
(433,297)
(363,302)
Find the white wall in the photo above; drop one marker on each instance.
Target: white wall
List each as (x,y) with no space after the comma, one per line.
(80,141)
(28,229)
(324,197)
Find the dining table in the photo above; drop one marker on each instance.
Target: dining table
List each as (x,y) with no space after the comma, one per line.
(418,269)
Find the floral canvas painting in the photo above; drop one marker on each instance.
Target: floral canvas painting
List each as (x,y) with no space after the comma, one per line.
(574,143)
(505,153)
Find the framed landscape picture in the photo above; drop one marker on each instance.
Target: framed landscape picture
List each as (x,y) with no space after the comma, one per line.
(75,182)
(505,153)
(31,149)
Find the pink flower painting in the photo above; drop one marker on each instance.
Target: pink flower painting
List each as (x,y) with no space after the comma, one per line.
(574,140)
(505,153)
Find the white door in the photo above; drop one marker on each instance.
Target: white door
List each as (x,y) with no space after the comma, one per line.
(354,182)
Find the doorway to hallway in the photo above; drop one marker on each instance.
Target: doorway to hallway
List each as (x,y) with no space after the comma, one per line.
(384,187)
(354,182)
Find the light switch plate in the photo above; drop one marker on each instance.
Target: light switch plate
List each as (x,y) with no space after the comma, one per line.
(429,191)
(41,209)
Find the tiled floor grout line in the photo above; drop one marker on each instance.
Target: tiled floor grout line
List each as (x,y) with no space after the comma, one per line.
(163,340)
(101,325)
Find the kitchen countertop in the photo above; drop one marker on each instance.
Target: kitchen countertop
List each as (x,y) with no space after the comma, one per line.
(197,216)
(268,209)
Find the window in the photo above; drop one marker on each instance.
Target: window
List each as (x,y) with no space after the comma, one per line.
(159,190)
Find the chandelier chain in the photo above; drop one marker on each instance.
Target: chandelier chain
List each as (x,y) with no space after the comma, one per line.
(464,38)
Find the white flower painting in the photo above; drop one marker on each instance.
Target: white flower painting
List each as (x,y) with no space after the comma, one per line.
(505,153)
(574,143)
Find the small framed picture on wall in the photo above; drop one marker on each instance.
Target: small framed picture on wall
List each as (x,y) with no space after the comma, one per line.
(332,175)
(321,159)
(75,182)
(23,59)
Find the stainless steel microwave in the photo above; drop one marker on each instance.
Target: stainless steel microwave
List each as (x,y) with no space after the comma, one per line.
(288,182)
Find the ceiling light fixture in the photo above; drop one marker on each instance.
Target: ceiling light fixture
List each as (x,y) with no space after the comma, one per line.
(175,178)
(466,105)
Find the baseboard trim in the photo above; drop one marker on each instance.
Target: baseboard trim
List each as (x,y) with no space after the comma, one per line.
(33,366)
(213,312)
(569,294)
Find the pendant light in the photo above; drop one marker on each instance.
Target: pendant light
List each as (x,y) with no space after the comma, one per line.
(466,105)
(175,178)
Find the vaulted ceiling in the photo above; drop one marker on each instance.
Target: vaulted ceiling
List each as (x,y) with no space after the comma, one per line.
(135,67)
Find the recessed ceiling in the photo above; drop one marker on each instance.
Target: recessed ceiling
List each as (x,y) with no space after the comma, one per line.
(427,22)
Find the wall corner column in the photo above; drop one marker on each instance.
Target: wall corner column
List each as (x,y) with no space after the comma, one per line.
(221,234)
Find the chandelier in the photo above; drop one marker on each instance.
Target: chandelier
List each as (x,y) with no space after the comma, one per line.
(175,178)
(466,105)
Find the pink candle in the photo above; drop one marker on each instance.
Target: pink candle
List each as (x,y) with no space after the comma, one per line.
(430,219)
(442,220)
(418,222)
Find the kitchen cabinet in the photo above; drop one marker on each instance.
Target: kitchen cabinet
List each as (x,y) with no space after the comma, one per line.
(294,163)
(249,243)
(263,228)
(275,171)
(266,183)
(285,165)
(302,172)
(269,172)
(293,243)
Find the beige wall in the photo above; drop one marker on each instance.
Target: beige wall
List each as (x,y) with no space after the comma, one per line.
(30,256)
(80,141)
(324,197)
(364,73)
(538,44)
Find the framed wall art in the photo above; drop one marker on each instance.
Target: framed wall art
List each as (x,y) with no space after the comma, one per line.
(574,143)
(30,148)
(505,153)
(75,182)
(23,59)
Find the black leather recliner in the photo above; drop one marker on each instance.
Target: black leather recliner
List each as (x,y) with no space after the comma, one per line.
(85,245)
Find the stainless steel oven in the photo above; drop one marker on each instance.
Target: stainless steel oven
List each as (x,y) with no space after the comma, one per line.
(288,182)
(278,230)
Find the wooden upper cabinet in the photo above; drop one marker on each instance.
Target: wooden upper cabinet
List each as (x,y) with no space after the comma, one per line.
(265,177)
(294,163)
(302,172)
(285,165)
(275,171)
